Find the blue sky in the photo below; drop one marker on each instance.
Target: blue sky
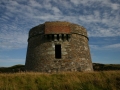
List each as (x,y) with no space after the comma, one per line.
(101,18)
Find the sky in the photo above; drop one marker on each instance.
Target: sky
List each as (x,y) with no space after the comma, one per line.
(101,18)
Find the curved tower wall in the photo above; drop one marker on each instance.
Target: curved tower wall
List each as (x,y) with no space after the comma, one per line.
(58,46)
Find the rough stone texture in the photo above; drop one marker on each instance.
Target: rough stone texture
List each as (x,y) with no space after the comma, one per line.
(75,52)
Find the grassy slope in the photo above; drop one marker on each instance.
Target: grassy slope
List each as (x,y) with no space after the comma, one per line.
(105,67)
(103,80)
(15,68)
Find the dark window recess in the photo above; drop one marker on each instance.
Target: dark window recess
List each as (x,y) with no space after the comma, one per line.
(57,37)
(52,36)
(57,51)
(67,37)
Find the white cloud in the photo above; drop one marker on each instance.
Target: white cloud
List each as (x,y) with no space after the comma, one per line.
(115,6)
(56,10)
(95,47)
(102,32)
(35,4)
(113,46)
(47,4)
(106,3)
(105,47)
(13,40)
(76,2)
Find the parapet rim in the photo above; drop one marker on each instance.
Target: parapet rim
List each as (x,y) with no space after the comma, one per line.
(74,28)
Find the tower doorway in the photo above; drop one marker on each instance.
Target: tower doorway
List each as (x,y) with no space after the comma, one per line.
(58,51)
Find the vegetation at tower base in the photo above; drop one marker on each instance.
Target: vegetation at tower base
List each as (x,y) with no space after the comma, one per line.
(105,80)
(96,67)
(58,46)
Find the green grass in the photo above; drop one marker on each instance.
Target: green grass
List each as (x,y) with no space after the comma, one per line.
(103,80)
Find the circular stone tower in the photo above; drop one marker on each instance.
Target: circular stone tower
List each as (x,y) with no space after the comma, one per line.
(58,46)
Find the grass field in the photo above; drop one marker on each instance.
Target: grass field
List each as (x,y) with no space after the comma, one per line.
(102,80)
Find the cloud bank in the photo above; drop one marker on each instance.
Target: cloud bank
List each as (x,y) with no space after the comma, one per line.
(101,18)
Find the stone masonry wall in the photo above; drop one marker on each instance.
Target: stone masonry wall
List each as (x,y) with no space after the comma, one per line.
(75,52)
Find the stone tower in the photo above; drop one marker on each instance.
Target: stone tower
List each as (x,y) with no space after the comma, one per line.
(58,46)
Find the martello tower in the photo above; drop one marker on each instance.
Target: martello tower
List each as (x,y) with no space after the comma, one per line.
(58,46)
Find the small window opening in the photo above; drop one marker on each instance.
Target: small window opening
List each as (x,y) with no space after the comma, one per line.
(52,36)
(67,37)
(48,37)
(58,51)
(62,37)
(57,36)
